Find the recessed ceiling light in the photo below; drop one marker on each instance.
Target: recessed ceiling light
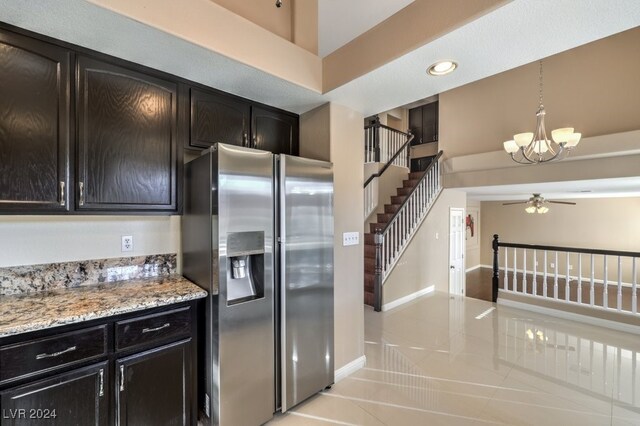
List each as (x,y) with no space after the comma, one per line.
(442,68)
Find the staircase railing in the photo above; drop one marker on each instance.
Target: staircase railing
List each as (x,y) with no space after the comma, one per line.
(576,276)
(383,144)
(392,240)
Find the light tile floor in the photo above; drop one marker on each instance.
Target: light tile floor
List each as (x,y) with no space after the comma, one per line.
(449,361)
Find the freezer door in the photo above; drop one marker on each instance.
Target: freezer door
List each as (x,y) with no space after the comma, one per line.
(306,281)
(245,317)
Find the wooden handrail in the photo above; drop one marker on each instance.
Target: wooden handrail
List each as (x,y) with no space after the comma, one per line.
(571,249)
(388,163)
(431,165)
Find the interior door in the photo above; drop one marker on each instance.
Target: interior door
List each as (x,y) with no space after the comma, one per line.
(306,288)
(456,251)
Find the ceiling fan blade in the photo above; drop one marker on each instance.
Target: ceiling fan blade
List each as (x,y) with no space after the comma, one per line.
(516,202)
(561,202)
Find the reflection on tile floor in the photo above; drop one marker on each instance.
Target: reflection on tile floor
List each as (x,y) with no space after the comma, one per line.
(455,361)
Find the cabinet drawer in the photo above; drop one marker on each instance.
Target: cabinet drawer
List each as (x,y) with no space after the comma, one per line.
(36,356)
(153,328)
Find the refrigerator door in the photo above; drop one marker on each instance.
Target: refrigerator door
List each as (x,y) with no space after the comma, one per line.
(245,318)
(306,274)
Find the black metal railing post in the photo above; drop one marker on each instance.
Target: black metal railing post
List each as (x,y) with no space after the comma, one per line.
(496,280)
(377,284)
(376,137)
(409,151)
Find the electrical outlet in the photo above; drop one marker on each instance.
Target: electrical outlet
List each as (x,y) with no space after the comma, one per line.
(127,243)
(350,238)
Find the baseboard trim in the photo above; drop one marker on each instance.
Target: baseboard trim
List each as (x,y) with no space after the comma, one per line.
(619,326)
(408,298)
(349,369)
(473,268)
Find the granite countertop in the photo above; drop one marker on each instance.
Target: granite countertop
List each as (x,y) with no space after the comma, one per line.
(46,309)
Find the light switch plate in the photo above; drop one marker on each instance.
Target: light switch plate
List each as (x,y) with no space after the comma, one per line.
(350,238)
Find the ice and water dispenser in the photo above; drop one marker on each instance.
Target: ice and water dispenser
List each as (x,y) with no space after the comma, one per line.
(245,266)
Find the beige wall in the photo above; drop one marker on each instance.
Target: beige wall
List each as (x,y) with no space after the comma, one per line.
(425,262)
(602,223)
(345,151)
(277,20)
(594,88)
(315,133)
(386,185)
(32,240)
(305,24)
(472,254)
(209,25)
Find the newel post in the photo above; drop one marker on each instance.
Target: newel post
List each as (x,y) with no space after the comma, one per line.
(495,281)
(409,151)
(376,137)
(377,284)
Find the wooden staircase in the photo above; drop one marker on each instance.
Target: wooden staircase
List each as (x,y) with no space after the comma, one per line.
(382,219)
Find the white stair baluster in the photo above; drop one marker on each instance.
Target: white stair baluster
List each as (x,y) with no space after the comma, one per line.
(544,276)
(634,286)
(592,289)
(605,291)
(555,278)
(619,299)
(579,277)
(567,289)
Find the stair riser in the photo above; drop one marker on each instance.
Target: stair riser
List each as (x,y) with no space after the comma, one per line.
(391,208)
(410,183)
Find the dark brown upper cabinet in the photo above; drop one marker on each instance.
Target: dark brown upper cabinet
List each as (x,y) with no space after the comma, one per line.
(217,118)
(423,123)
(127,139)
(34,125)
(274,131)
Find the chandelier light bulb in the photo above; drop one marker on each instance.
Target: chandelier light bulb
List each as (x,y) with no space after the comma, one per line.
(573,140)
(511,146)
(562,135)
(523,139)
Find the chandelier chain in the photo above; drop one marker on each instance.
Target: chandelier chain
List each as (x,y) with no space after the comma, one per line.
(541,83)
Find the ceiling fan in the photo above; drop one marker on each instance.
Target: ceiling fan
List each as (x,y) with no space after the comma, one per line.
(537,204)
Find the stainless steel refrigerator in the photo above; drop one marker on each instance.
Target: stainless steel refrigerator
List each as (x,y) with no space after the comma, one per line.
(257,233)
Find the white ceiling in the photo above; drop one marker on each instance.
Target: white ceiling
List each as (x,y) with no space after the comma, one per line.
(515,34)
(601,188)
(341,21)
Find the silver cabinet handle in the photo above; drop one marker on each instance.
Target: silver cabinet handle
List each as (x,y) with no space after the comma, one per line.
(55,354)
(244,139)
(63,201)
(101,392)
(81,186)
(148,330)
(121,378)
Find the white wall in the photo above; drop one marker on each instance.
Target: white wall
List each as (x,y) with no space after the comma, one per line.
(32,240)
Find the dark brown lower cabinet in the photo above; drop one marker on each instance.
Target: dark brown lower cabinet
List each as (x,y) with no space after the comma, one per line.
(77,397)
(134,369)
(152,387)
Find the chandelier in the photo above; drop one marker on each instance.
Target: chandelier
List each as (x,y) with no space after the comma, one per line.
(536,147)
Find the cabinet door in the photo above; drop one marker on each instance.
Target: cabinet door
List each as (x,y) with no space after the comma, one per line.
(430,122)
(274,131)
(415,125)
(34,125)
(154,387)
(79,397)
(126,139)
(217,118)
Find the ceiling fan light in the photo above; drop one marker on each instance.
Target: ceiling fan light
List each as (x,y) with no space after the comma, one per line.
(542,210)
(511,146)
(562,135)
(530,209)
(523,139)
(540,147)
(573,140)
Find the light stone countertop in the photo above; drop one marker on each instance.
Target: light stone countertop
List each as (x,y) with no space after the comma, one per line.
(46,309)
